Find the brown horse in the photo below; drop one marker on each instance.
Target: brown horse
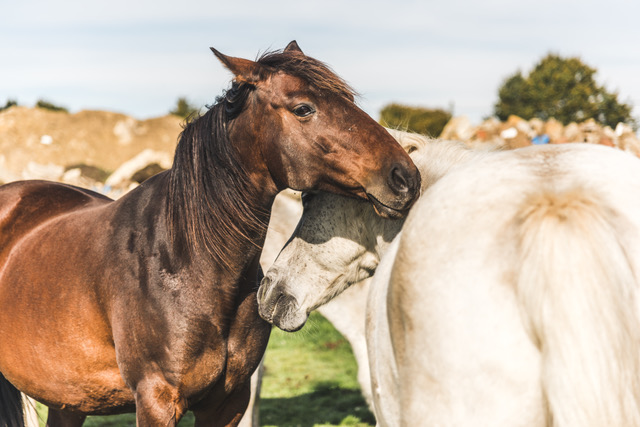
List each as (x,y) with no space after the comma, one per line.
(148,303)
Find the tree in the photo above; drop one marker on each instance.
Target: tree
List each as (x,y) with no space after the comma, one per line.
(562,88)
(416,119)
(183,108)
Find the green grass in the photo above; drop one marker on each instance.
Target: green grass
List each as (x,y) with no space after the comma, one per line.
(309,380)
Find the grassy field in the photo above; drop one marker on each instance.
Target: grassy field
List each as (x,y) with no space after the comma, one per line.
(309,380)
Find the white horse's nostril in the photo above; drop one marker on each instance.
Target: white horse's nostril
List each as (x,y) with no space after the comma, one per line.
(264,285)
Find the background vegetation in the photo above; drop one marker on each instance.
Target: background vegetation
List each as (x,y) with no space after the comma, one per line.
(562,88)
(50,106)
(310,380)
(184,108)
(10,103)
(421,120)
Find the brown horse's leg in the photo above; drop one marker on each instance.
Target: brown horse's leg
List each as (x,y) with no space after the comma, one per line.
(158,404)
(59,418)
(211,413)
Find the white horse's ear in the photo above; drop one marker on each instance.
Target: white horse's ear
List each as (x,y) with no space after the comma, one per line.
(293,47)
(244,70)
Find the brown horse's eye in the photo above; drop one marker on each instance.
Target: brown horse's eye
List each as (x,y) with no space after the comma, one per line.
(306,196)
(303,110)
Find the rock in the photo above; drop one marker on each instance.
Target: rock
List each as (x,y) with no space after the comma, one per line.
(519,141)
(458,128)
(627,140)
(572,133)
(555,130)
(521,125)
(488,131)
(75,177)
(622,129)
(517,132)
(537,126)
(147,172)
(509,133)
(590,131)
(123,177)
(48,172)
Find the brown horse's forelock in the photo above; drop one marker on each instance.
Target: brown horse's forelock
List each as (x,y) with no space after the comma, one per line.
(316,73)
(209,191)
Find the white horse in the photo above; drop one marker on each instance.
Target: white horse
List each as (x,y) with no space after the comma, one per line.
(346,312)
(509,298)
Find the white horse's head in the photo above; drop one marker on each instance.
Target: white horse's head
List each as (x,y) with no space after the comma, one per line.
(339,241)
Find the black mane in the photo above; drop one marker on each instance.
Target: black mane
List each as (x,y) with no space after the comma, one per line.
(209,191)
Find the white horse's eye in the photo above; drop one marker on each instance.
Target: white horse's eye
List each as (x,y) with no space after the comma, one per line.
(306,197)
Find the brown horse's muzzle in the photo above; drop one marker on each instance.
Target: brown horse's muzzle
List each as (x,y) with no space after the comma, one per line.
(393,195)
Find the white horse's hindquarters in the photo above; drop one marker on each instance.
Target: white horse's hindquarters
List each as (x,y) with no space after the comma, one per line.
(468,360)
(462,352)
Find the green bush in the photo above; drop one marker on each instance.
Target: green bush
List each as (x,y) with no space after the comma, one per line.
(421,120)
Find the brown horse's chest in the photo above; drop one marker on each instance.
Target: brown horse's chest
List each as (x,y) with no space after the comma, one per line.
(226,367)
(245,343)
(198,346)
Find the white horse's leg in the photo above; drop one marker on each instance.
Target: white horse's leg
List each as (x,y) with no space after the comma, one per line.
(251,416)
(30,413)
(347,314)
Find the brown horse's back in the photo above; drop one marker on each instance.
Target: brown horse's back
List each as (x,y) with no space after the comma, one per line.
(24,205)
(34,230)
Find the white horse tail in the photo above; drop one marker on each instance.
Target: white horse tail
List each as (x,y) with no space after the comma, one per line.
(579,297)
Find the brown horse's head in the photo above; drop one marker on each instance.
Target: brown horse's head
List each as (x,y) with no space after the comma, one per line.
(299,121)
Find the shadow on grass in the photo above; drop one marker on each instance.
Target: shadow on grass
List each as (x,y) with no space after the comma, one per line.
(327,404)
(129,420)
(122,420)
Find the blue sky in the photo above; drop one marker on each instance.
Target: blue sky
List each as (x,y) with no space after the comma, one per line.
(138,57)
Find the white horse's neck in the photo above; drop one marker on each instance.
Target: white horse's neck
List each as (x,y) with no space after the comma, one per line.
(437,158)
(434,158)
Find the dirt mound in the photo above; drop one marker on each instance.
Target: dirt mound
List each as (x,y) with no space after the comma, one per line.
(34,138)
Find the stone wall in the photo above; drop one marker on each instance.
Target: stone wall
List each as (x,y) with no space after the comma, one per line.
(517,132)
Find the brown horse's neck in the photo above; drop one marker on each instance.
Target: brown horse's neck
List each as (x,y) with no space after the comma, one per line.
(215,208)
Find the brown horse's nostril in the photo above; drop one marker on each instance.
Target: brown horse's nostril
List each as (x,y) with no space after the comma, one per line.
(399,179)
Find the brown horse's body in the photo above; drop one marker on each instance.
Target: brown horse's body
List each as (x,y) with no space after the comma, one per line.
(149,302)
(71,232)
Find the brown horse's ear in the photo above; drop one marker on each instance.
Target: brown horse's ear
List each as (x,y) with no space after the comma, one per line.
(243,69)
(293,47)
